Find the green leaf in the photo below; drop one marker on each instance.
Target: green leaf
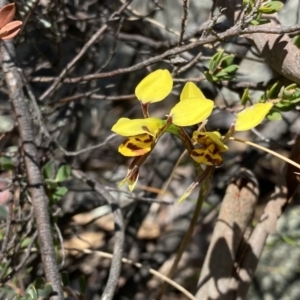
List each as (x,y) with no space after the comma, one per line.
(274,90)
(284,106)
(48,171)
(296,41)
(274,116)
(173,129)
(63,173)
(259,22)
(6,163)
(227,61)
(295,101)
(46,292)
(271,7)
(65,278)
(219,57)
(231,69)
(32,293)
(208,76)
(221,75)
(39,282)
(59,193)
(25,242)
(245,97)
(215,61)
(82,284)
(3,212)
(51,184)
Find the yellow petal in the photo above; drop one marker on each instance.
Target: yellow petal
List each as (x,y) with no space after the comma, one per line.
(131,179)
(191,111)
(206,138)
(252,116)
(128,127)
(209,156)
(190,90)
(137,145)
(154,87)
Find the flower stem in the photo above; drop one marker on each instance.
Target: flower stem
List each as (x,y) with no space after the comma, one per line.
(204,190)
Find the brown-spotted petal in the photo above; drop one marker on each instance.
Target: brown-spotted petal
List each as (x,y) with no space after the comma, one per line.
(10,30)
(209,155)
(7,13)
(137,145)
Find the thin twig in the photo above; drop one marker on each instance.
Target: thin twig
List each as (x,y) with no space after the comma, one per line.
(201,197)
(45,130)
(8,228)
(139,265)
(22,262)
(185,6)
(116,262)
(84,49)
(233,31)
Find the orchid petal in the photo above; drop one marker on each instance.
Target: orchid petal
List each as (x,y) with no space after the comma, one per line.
(131,179)
(137,145)
(190,90)
(252,116)
(191,111)
(154,87)
(128,127)
(205,138)
(209,155)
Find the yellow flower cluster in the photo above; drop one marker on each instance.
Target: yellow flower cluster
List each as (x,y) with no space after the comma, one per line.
(193,108)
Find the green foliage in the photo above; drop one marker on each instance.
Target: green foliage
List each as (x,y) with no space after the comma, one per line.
(296,41)
(266,8)
(65,279)
(82,284)
(285,98)
(6,163)
(3,212)
(39,290)
(245,97)
(53,180)
(274,116)
(221,67)
(289,240)
(271,7)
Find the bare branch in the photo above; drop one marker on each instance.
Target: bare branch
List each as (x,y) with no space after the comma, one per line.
(116,263)
(35,179)
(84,49)
(233,31)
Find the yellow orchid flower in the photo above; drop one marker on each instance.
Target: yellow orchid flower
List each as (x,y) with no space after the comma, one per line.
(154,87)
(211,146)
(131,178)
(252,116)
(142,135)
(193,107)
